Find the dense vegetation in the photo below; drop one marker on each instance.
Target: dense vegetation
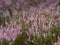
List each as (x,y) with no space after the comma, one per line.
(29,22)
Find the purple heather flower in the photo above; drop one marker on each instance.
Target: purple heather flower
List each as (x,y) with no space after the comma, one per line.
(7,2)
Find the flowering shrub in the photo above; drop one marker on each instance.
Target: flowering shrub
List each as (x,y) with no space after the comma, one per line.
(29,23)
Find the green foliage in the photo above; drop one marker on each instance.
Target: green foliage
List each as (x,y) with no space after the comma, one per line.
(31,37)
(39,40)
(21,39)
(15,17)
(48,39)
(17,41)
(24,35)
(31,43)
(0,42)
(56,30)
(3,20)
(56,16)
(54,39)
(4,42)
(23,24)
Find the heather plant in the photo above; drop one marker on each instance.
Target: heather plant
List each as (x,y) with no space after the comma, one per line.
(29,22)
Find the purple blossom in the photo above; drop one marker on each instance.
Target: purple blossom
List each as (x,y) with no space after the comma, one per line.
(7,2)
